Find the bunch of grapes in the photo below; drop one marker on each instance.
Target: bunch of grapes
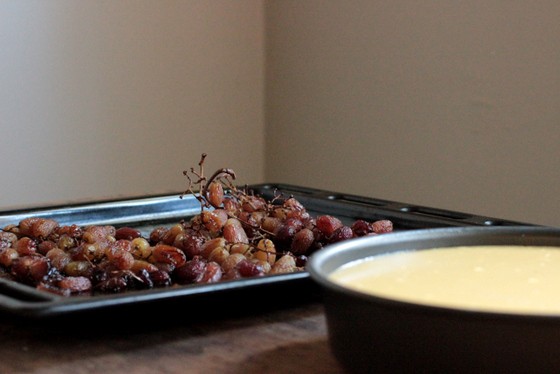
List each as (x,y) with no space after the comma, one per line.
(236,235)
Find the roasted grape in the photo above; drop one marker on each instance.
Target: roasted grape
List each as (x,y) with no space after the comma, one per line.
(236,235)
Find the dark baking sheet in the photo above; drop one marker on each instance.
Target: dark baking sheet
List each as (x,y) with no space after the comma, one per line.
(26,303)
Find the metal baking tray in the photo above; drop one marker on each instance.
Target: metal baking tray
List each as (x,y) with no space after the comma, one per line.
(21,302)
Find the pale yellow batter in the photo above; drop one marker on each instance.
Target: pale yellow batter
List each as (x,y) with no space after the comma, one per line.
(513,279)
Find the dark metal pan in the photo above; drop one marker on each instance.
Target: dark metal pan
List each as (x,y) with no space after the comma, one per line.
(371,334)
(145,213)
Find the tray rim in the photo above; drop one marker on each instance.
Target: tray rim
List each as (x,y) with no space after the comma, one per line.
(39,305)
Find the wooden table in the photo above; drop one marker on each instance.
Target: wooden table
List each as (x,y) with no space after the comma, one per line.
(282,340)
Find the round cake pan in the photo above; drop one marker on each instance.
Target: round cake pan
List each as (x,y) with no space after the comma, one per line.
(371,334)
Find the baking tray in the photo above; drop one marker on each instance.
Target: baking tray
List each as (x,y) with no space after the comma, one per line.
(21,302)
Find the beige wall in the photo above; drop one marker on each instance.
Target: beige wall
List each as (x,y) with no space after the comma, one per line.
(116,98)
(448,104)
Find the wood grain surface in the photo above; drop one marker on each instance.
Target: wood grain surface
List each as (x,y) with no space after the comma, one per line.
(290,340)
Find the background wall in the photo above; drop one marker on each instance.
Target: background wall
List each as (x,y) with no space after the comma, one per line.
(448,104)
(445,104)
(116,98)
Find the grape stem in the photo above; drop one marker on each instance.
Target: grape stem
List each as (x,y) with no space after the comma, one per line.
(217,174)
(204,182)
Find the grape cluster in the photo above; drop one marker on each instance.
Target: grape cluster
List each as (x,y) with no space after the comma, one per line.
(236,235)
